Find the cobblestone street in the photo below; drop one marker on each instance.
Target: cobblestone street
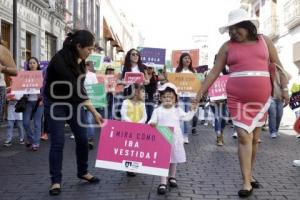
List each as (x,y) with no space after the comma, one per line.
(211,172)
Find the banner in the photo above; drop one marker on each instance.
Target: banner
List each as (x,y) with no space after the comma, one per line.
(135,147)
(27,82)
(134,77)
(218,90)
(185,83)
(153,56)
(97,60)
(194,53)
(97,95)
(294,102)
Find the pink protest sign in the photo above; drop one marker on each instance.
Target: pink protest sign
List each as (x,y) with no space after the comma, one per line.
(218,90)
(133,77)
(27,82)
(135,147)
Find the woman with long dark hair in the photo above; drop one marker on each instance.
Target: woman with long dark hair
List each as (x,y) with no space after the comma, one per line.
(65,98)
(185,66)
(34,111)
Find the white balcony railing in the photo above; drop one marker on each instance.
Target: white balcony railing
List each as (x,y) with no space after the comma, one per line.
(270,26)
(292,13)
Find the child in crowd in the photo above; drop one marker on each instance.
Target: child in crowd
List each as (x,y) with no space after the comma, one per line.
(133,107)
(170,115)
(13,118)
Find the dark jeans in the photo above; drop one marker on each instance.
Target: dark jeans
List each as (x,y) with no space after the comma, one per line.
(149,108)
(66,113)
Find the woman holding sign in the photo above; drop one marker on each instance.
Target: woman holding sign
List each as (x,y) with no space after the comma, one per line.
(247,54)
(65,99)
(185,66)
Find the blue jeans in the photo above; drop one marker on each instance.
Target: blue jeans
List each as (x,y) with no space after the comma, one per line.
(90,122)
(2,102)
(220,113)
(185,104)
(56,126)
(275,114)
(10,128)
(33,136)
(149,108)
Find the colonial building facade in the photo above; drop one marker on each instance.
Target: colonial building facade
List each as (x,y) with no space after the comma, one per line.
(41,28)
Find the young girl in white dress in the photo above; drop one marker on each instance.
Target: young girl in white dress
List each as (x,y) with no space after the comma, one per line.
(169,114)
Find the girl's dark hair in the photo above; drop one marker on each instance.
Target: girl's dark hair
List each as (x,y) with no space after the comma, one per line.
(165,91)
(180,64)
(127,63)
(85,39)
(36,60)
(248,25)
(129,90)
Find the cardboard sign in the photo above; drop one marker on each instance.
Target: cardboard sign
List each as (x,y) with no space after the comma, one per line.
(218,90)
(194,53)
(97,95)
(155,57)
(27,82)
(111,83)
(294,102)
(97,60)
(134,77)
(185,82)
(135,147)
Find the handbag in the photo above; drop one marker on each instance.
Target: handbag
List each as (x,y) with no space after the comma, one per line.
(21,104)
(275,70)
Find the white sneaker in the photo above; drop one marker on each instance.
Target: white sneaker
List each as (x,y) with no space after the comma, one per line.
(296,163)
(298,136)
(185,140)
(273,135)
(234,135)
(72,136)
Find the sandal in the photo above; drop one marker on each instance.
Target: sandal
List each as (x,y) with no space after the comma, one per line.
(93,179)
(172,182)
(162,189)
(245,193)
(255,183)
(55,189)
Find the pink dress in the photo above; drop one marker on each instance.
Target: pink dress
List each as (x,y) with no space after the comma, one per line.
(248,87)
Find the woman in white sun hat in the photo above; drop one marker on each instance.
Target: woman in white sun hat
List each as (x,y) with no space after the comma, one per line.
(247,54)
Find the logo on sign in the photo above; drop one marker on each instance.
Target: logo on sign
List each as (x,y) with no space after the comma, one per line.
(132,164)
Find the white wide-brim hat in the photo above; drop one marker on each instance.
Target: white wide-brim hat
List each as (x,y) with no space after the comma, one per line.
(237,16)
(167,85)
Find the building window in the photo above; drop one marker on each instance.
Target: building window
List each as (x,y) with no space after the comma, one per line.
(28,45)
(5,34)
(50,46)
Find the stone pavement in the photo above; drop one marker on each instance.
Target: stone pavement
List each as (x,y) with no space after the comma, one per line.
(211,172)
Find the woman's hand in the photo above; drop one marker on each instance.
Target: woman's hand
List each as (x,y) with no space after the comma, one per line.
(285,97)
(98,118)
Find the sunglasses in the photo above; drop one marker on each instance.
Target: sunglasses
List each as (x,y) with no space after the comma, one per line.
(134,54)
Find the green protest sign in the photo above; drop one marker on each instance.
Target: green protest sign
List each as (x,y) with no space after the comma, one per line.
(97,60)
(97,95)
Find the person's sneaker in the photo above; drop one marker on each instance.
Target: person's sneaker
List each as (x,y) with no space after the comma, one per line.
(35,147)
(195,132)
(235,135)
(259,140)
(22,142)
(72,137)
(205,123)
(185,140)
(219,141)
(296,163)
(298,136)
(44,136)
(7,144)
(273,135)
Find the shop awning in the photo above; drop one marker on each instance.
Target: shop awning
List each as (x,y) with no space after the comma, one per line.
(107,33)
(115,42)
(120,48)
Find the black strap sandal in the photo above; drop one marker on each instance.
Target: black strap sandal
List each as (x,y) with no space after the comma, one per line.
(245,193)
(255,184)
(54,191)
(94,179)
(162,189)
(172,182)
